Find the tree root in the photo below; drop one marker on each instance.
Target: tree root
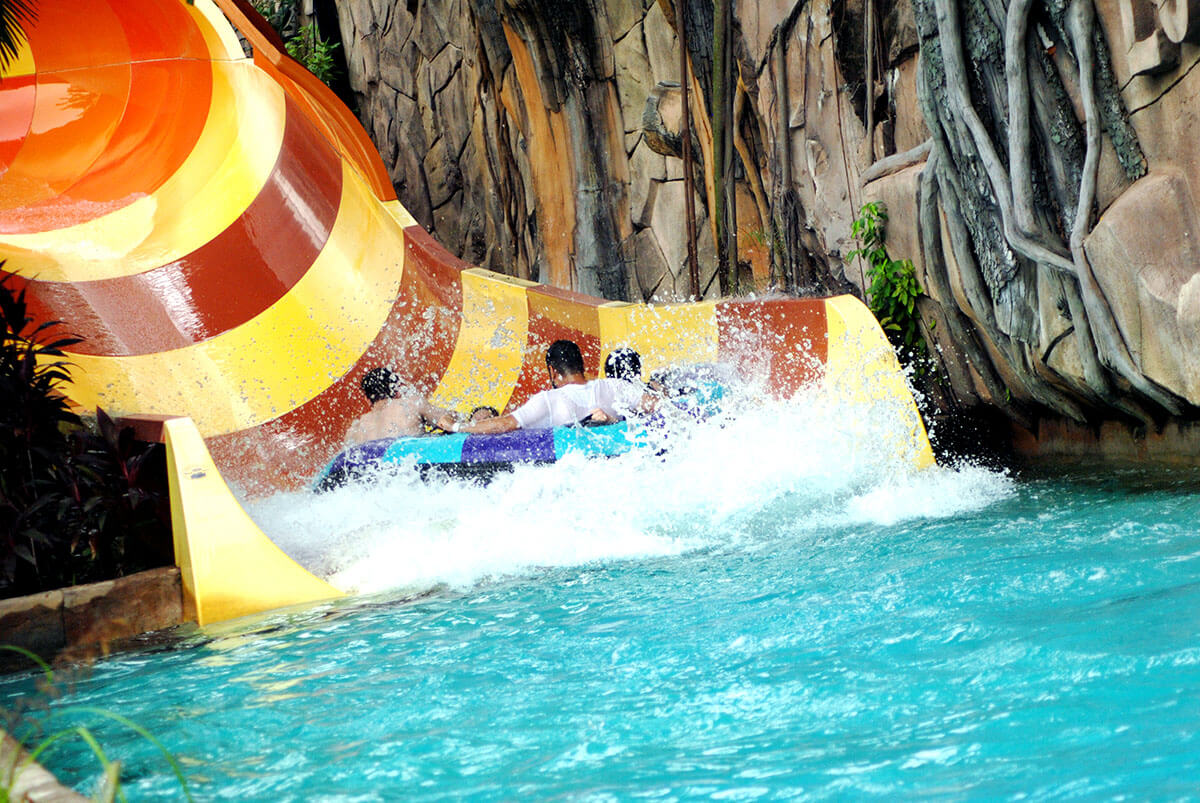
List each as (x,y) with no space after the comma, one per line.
(965,335)
(1104,353)
(896,162)
(1080,23)
(950,37)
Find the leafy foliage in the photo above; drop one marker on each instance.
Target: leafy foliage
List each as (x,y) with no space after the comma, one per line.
(892,295)
(14,16)
(313,52)
(304,43)
(76,505)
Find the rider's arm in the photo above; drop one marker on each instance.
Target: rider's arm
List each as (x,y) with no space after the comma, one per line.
(488,426)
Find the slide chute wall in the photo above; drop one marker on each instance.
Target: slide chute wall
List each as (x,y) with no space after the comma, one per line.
(223,235)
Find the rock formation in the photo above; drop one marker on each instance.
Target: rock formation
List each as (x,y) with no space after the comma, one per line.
(1035,157)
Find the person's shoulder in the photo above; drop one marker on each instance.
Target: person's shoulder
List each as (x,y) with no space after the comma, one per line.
(621,387)
(541,394)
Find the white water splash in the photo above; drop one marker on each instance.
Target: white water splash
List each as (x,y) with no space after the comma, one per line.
(802,459)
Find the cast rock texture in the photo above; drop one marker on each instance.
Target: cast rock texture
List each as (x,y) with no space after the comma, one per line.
(513,132)
(1037,159)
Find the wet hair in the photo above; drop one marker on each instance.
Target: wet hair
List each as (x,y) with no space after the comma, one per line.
(380,383)
(623,363)
(484,408)
(564,357)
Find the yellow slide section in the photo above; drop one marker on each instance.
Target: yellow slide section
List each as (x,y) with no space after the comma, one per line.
(863,370)
(228,566)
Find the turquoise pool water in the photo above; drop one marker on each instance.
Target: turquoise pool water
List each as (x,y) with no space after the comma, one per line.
(841,629)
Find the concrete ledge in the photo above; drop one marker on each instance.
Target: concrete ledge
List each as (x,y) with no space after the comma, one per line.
(1111,443)
(75,623)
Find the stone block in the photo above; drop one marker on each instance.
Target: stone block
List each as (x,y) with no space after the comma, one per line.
(759,21)
(661,47)
(1163,106)
(633,78)
(454,111)
(398,68)
(115,610)
(624,17)
(900,194)
(382,12)
(647,170)
(642,253)
(429,31)
(443,66)
(34,623)
(1053,325)
(910,123)
(667,221)
(449,224)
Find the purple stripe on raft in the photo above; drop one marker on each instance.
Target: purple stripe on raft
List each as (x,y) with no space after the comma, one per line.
(364,454)
(520,445)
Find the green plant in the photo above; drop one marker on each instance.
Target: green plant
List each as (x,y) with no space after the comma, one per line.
(76,504)
(315,53)
(894,289)
(30,730)
(303,43)
(35,421)
(279,14)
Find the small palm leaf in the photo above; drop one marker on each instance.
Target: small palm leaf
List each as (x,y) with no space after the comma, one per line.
(14,16)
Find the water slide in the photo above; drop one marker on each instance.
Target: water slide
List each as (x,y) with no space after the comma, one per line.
(224,237)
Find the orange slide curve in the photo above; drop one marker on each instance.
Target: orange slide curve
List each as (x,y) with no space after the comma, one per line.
(224,237)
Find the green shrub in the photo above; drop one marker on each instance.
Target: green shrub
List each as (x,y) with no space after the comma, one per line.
(313,52)
(304,44)
(893,291)
(76,504)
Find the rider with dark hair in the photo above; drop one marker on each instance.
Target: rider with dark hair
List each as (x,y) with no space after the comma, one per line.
(564,358)
(396,409)
(380,383)
(623,363)
(571,399)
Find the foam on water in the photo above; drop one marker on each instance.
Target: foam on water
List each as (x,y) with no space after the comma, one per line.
(705,489)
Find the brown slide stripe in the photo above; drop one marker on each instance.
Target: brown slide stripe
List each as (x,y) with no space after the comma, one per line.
(786,338)
(222,284)
(417,342)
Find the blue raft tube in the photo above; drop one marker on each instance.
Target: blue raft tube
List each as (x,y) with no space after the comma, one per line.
(480,457)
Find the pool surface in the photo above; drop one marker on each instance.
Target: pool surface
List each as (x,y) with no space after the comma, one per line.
(738,622)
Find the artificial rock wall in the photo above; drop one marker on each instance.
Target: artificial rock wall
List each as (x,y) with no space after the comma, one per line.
(540,138)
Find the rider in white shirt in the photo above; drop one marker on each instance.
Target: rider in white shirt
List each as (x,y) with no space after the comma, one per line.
(571,403)
(570,400)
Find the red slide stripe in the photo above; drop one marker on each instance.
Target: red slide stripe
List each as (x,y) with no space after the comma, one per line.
(417,342)
(784,338)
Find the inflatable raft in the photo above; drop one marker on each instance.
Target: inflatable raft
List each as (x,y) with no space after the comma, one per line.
(478,456)
(692,393)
